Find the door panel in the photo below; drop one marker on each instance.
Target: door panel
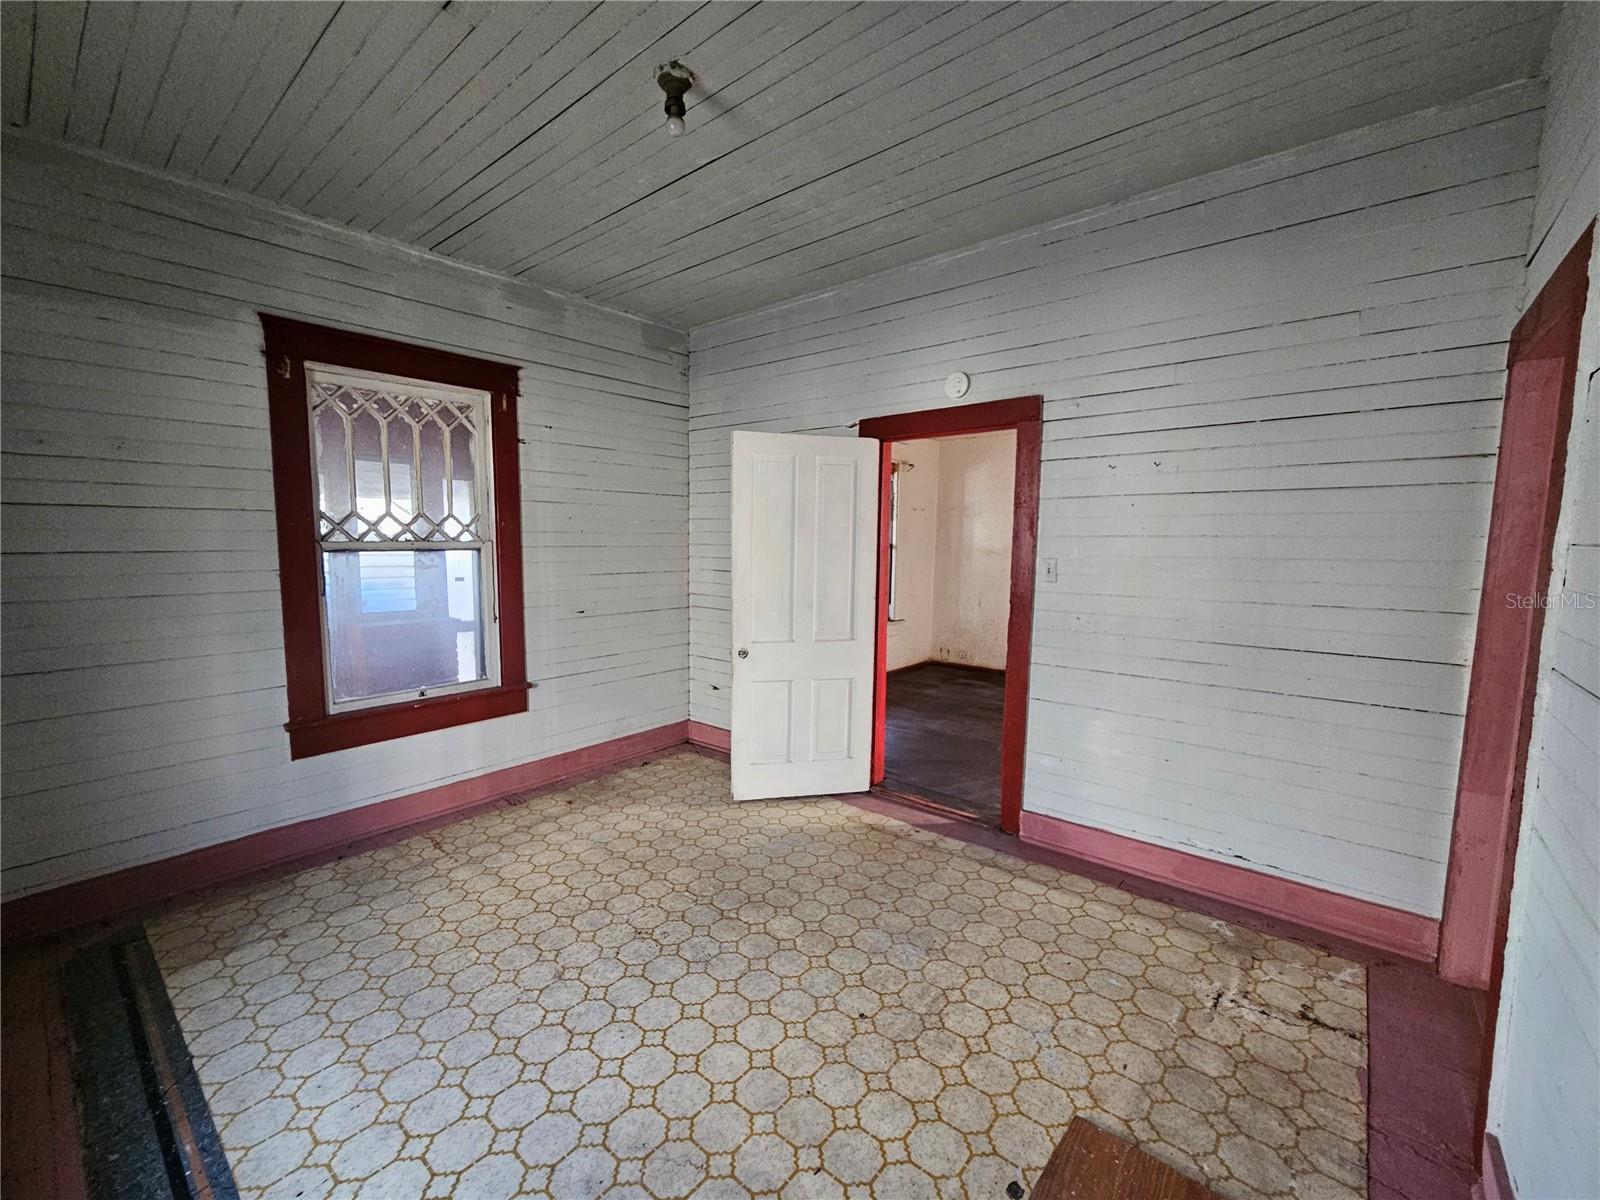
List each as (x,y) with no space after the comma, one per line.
(805,539)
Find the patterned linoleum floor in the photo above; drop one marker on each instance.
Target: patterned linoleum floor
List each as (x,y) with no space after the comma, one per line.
(639,988)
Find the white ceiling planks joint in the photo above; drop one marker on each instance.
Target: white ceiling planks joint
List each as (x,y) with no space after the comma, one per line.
(827,141)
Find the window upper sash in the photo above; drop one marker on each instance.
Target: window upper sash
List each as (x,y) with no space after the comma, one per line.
(399,461)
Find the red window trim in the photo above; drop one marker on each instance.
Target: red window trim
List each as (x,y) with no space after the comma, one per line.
(312,729)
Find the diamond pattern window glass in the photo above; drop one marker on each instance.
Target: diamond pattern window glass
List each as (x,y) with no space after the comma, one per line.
(396,462)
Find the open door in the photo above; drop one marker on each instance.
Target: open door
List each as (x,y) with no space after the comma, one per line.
(805,545)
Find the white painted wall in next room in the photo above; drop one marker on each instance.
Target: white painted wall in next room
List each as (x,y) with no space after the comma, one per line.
(972,567)
(910,634)
(953,550)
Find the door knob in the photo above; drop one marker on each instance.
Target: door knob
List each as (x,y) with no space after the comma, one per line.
(744,654)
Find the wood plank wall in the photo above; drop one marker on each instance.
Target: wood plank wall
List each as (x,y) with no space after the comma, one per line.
(1545,1103)
(1272,401)
(829,140)
(143,658)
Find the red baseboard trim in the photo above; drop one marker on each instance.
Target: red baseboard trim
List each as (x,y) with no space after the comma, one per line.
(321,839)
(304,843)
(1298,906)
(1388,930)
(1495,1183)
(1354,924)
(709,737)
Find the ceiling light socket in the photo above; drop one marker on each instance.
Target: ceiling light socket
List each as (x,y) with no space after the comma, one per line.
(675,80)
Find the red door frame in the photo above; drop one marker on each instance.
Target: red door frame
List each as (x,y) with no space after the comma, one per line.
(1541,373)
(1025,415)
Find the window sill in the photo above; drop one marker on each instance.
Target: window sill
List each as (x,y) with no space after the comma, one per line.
(342,731)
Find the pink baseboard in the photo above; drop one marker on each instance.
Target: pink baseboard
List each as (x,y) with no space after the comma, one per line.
(1390,930)
(1360,923)
(305,842)
(1357,922)
(709,737)
(1496,1181)
(324,838)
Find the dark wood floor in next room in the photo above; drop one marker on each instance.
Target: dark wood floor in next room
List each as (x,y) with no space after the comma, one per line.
(942,736)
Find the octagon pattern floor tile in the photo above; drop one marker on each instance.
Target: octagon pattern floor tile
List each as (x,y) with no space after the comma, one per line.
(638,988)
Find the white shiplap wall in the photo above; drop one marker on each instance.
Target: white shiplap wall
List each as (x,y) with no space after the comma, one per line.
(143,665)
(1271,404)
(1545,1106)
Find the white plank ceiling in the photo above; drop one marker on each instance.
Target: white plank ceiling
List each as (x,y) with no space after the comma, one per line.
(826,141)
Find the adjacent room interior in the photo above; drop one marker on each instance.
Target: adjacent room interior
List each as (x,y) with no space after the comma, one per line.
(949,605)
(897,601)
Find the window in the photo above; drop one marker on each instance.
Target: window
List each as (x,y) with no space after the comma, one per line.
(894,535)
(395,472)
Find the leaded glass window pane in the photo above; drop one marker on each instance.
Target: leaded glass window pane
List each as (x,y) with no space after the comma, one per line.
(396,462)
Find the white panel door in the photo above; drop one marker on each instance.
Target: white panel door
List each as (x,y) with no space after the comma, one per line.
(805,546)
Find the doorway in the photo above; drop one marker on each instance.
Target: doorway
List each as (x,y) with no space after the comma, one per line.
(958,498)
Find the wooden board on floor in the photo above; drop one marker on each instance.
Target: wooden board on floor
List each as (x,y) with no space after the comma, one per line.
(1091,1164)
(40,1119)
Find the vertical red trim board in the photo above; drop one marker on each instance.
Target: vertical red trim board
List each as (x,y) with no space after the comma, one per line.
(1019,634)
(1025,415)
(1541,375)
(880,676)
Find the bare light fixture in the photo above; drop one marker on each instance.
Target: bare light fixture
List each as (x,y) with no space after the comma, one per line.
(674,79)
